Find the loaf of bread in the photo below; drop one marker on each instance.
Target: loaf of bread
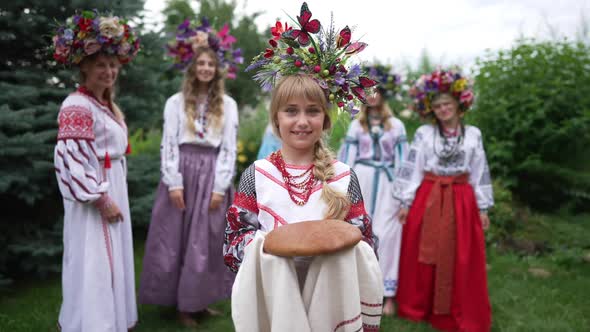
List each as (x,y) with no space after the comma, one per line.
(312,238)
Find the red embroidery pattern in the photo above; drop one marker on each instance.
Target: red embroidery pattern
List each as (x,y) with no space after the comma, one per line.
(370,328)
(246,202)
(373,305)
(105,108)
(75,122)
(233,218)
(278,219)
(346,322)
(356,210)
(108,244)
(231,262)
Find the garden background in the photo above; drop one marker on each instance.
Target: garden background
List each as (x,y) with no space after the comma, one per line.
(532,105)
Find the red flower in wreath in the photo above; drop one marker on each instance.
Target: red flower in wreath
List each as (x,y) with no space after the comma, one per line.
(278,30)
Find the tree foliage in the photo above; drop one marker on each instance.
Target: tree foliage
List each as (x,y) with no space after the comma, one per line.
(533,106)
(33,86)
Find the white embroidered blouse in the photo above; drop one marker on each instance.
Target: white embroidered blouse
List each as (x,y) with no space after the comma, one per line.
(425,156)
(87,131)
(176,132)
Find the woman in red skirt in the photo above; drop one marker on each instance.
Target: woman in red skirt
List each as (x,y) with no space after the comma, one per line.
(445,189)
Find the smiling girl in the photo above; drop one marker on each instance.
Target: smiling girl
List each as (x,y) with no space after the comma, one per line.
(445,189)
(375,146)
(300,182)
(182,265)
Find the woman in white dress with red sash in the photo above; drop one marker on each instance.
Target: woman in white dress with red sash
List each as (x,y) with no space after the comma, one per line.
(445,189)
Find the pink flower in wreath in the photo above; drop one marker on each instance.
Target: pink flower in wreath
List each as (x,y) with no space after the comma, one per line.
(124,49)
(201,39)
(466,98)
(61,50)
(91,46)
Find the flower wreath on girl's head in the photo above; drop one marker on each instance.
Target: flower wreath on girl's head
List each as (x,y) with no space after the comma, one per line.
(189,37)
(88,33)
(389,81)
(428,86)
(322,54)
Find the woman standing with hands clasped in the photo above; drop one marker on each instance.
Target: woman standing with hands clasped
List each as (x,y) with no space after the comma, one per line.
(182,265)
(98,278)
(375,146)
(445,189)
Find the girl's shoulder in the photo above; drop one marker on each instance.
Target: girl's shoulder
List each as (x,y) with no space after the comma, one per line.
(77,99)
(341,168)
(174,105)
(230,106)
(426,129)
(228,100)
(396,123)
(175,98)
(472,131)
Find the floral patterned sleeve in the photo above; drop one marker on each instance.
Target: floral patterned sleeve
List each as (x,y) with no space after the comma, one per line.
(242,221)
(357,215)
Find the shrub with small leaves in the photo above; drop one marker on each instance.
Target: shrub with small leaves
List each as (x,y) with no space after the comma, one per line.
(533,107)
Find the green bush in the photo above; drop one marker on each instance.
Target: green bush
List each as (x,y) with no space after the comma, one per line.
(142,178)
(250,132)
(503,216)
(533,106)
(145,142)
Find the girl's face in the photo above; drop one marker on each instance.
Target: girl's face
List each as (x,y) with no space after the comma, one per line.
(375,100)
(301,123)
(205,66)
(446,108)
(374,116)
(101,72)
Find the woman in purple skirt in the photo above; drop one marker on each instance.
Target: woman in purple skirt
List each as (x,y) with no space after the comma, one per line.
(183,263)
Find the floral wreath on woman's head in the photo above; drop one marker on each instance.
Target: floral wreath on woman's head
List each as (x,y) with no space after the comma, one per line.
(322,54)
(189,38)
(389,81)
(88,33)
(427,87)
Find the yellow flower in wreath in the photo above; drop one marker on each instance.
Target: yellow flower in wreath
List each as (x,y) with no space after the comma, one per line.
(460,84)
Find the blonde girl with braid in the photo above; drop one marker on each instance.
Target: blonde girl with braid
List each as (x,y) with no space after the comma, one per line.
(302,181)
(182,263)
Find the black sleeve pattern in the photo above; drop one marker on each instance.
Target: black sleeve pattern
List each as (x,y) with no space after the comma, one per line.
(357,215)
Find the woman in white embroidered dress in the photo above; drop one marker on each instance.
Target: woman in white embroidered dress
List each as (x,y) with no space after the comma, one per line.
(374,146)
(198,153)
(446,190)
(98,279)
(300,182)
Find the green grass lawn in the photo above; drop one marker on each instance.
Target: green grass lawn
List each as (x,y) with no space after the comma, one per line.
(520,301)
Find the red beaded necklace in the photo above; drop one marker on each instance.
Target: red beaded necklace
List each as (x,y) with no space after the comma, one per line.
(84,90)
(301,184)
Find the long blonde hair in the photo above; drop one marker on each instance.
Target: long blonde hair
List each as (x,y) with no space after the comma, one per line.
(384,111)
(304,86)
(109,93)
(215,97)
